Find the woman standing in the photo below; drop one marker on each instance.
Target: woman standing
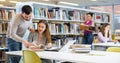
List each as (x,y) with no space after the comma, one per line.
(88,36)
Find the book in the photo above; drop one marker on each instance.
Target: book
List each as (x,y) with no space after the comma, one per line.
(84,27)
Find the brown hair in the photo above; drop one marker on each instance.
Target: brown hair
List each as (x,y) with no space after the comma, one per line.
(90,13)
(102,29)
(46,32)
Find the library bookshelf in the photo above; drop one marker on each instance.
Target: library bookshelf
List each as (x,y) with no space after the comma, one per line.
(6,14)
(63,20)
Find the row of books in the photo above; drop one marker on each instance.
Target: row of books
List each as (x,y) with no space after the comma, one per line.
(62,14)
(40,12)
(102,18)
(57,13)
(3,27)
(6,14)
(62,28)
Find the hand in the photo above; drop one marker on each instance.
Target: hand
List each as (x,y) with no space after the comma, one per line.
(115,40)
(41,46)
(26,44)
(49,45)
(31,29)
(82,24)
(34,43)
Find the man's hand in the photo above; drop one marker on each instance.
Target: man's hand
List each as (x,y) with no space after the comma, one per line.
(26,43)
(49,45)
(31,30)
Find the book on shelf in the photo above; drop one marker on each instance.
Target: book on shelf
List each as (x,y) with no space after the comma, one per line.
(54,13)
(40,12)
(83,16)
(35,25)
(102,18)
(4,43)
(3,27)
(98,18)
(0,27)
(77,15)
(6,14)
(52,29)
(64,28)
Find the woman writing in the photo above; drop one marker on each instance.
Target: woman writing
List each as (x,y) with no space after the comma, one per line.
(40,38)
(103,35)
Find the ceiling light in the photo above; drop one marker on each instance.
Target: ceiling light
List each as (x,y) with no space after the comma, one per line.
(93,0)
(1,5)
(13,1)
(61,2)
(2,0)
(46,0)
(117,11)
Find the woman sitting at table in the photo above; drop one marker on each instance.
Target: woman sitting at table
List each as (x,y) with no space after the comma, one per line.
(103,35)
(40,39)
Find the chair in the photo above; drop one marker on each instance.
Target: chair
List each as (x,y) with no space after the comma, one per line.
(113,49)
(30,57)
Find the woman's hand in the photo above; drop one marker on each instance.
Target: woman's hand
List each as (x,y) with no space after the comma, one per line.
(49,45)
(34,43)
(115,41)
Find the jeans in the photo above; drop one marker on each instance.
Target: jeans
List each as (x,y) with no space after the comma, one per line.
(88,38)
(14,46)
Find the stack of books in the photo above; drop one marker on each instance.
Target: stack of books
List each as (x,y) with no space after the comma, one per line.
(83,48)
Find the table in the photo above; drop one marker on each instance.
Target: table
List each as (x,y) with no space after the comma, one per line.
(92,57)
(2,54)
(109,44)
(3,48)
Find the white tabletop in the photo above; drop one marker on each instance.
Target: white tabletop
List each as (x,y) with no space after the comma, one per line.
(3,48)
(107,44)
(92,57)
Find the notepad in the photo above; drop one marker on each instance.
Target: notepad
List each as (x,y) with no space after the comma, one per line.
(97,54)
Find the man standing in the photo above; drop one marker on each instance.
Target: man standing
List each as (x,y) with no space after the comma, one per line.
(16,30)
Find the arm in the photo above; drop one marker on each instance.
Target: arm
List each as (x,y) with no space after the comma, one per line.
(31,39)
(92,25)
(101,37)
(14,28)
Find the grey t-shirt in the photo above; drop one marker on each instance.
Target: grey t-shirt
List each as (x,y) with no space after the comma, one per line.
(33,36)
(17,28)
